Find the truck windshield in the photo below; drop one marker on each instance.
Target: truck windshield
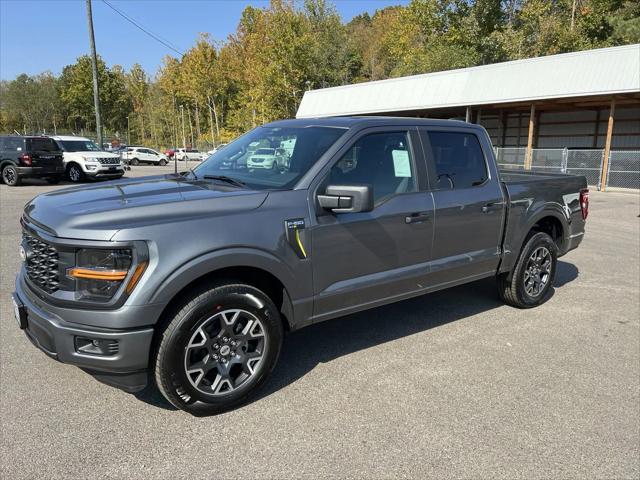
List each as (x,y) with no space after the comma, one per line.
(79,146)
(303,146)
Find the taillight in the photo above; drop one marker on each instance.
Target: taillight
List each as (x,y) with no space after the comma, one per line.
(25,158)
(584,202)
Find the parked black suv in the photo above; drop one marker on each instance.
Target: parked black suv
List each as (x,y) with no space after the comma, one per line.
(29,156)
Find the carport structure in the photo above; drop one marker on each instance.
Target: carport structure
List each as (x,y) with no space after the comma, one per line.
(587,100)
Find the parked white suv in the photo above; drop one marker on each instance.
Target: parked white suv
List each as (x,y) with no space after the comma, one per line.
(83,159)
(137,155)
(190,154)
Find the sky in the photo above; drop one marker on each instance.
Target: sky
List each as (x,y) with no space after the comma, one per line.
(41,35)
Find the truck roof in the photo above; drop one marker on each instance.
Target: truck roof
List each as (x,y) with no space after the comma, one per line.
(349,122)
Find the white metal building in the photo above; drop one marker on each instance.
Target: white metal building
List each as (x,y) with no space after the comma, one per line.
(587,100)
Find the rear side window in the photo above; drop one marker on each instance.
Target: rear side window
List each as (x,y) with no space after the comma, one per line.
(458,160)
(42,145)
(12,144)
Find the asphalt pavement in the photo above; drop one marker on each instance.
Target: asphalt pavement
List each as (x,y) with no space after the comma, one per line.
(449,385)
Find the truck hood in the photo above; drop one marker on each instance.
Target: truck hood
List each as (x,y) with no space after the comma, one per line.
(99,211)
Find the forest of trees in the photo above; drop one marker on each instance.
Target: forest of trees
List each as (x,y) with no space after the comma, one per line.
(260,72)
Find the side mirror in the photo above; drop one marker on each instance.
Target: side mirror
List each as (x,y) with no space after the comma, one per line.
(347,198)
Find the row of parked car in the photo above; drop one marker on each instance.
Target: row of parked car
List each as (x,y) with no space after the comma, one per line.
(76,159)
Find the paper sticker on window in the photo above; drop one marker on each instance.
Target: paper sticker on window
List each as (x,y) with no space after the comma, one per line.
(401,163)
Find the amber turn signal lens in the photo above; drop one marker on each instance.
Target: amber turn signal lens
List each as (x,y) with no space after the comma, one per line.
(93,274)
(136,276)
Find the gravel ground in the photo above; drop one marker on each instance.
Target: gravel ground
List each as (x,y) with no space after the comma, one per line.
(452,384)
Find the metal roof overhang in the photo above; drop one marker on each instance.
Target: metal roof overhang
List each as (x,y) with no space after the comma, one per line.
(578,78)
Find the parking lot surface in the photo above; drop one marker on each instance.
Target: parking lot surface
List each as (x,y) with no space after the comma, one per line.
(452,384)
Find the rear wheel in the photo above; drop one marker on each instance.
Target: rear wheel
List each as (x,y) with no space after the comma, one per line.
(134,162)
(75,173)
(218,349)
(10,176)
(532,277)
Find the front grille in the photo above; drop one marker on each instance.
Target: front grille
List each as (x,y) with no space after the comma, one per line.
(41,263)
(109,161)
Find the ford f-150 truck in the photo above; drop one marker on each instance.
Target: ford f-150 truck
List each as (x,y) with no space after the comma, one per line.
(191,280)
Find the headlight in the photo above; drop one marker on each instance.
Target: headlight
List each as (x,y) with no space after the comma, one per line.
(99,273)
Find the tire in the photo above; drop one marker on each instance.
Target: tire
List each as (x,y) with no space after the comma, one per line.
(533,275)
(162,162)
(54,180)
(10,176)
(75,173)
(194,334)
(133,162)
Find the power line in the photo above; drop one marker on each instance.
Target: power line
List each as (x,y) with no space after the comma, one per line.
(140,27)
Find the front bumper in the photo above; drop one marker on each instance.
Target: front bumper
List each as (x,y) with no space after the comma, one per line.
(106,172)
(124,367)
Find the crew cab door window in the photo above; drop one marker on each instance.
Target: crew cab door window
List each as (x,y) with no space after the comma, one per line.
(382,160)
(458,160)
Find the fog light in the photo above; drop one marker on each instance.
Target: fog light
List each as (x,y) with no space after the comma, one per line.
(96,346)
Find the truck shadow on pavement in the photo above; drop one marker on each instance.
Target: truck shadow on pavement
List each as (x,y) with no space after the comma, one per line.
(304,349)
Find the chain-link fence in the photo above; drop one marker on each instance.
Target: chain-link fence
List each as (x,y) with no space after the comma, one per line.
(587,163)
(511,158)
(623,171)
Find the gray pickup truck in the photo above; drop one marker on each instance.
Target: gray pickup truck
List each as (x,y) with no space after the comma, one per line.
(192,279)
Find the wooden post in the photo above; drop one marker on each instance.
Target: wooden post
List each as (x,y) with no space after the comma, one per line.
(532,126)
(468,115)
(479,116)
(607,147)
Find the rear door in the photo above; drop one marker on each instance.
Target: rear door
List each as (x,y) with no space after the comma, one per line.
(367,258)
(468,202)
(45,153)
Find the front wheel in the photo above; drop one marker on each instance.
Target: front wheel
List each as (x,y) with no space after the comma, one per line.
(218,349)
(133,162)
(532,278)
(162,162)
(75,173)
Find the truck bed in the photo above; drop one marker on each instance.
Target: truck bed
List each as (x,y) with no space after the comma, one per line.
(537,195)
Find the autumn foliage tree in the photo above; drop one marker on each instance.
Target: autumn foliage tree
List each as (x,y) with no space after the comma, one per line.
(277,52)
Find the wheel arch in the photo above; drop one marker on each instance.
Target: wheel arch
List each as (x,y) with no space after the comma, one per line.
(255,268)
(550,219)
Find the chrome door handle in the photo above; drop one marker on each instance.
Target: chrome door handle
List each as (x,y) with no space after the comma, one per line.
(417,218)
(491,206)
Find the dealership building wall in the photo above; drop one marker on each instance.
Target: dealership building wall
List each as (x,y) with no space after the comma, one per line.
(555,112)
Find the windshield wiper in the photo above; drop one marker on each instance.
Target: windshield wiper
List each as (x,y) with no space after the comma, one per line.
(224,178)
(195,177)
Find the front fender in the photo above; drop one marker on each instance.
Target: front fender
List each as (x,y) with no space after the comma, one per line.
(232,257)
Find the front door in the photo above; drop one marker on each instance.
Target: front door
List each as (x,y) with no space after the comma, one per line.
(368,258)
(469,207)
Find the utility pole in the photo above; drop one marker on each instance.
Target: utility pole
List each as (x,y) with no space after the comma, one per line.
(94,64)
(184,137)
